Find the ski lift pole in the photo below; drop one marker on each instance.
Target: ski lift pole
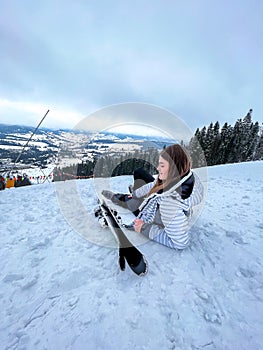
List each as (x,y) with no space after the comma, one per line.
(46,176)
(20,154)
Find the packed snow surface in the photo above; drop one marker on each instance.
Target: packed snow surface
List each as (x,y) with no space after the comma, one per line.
(61,287)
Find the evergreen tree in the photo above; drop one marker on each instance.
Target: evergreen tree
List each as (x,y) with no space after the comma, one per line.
(208,144)
(98,170)
(259,147)
(196,152)
(108,166)
(234,155)
(214,148)
(245,141)
(225,143)
(254,138)
(202,137)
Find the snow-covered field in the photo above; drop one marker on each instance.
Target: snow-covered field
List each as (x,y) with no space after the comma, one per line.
(59,290)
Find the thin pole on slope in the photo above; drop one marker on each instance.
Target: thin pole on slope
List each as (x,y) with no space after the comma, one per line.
(20,154)
(46,176)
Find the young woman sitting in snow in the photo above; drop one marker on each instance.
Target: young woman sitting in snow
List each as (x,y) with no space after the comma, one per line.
(163,206)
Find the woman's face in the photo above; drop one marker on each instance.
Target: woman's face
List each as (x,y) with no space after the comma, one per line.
(163,168)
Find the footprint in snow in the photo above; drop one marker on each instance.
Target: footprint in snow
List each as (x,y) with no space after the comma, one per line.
(13,277)
(208,308)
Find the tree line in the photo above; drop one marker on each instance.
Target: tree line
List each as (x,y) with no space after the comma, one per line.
(111,165)
(229,144)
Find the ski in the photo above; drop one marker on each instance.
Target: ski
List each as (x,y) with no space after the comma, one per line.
(127,251)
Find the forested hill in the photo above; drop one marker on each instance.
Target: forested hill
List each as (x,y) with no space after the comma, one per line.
(229,144)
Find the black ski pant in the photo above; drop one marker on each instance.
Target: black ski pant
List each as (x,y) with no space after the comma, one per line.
(140,177)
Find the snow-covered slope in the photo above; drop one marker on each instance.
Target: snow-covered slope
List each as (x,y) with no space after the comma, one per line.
(61,291)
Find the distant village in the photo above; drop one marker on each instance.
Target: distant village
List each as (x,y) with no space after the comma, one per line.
(63,155)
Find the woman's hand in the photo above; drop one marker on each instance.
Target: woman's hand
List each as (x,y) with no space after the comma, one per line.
(138,225)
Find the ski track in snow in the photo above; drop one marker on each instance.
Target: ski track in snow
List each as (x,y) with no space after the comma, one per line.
(61,291)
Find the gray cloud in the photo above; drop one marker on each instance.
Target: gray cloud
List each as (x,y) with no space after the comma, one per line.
(202,62)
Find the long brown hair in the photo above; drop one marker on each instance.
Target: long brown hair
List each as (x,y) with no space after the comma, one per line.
(179,165)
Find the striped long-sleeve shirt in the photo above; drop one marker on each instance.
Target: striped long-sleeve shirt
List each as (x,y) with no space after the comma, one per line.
(166,216)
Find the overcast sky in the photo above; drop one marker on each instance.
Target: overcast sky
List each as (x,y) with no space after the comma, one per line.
(199,59)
